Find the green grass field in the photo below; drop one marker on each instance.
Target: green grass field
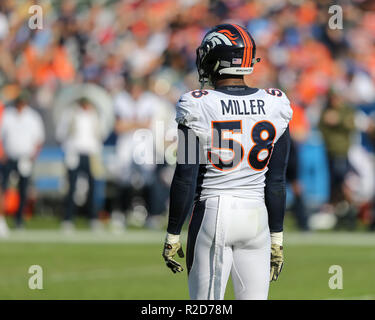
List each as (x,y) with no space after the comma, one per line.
(129,266)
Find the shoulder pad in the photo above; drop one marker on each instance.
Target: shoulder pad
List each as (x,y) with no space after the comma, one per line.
(282,102)
(187,110)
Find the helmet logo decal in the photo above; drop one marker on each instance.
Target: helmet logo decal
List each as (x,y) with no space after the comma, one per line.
(230,36)
(215,38)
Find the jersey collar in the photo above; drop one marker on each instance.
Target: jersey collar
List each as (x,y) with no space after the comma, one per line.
(237,90)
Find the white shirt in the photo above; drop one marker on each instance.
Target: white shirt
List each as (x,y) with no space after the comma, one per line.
(21,132)
(79,131)
(127,108)
(237,133)
(4,26)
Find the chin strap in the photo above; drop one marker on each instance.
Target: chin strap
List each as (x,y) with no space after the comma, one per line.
(230,70)
(239,70)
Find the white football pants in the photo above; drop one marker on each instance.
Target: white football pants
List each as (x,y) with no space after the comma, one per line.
(229,235)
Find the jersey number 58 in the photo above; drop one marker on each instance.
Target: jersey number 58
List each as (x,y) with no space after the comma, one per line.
(263,135)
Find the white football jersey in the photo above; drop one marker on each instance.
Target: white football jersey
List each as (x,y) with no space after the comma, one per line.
(237,133)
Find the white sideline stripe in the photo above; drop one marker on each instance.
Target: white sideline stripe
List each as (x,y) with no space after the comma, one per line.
(330,239)
(99,274)
(149,237)
(89,237)
(364,297)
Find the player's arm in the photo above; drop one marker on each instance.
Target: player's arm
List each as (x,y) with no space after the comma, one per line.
(275,199)
(182,194)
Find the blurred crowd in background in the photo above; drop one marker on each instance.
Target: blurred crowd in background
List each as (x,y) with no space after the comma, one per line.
(100,70)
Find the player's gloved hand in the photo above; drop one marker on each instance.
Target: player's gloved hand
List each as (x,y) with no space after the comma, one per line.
(172,246)
(277,256)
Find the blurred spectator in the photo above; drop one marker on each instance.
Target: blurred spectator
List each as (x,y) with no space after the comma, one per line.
(135,111)
(79,133)
(337,127)
(2,109)
(371,132)
(4,231)
(22,135)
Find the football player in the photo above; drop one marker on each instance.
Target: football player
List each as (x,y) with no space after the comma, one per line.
(232,156)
